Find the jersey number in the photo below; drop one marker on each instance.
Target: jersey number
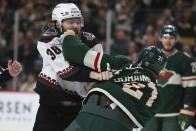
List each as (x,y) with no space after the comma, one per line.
(53,51)
(193,64)
(134,89)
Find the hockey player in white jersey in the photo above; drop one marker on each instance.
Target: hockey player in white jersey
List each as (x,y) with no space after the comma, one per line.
(60,99)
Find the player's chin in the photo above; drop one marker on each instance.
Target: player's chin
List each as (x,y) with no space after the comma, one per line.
(169,48)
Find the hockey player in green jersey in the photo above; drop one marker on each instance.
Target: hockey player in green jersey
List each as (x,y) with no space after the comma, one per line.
(129,99)
(176,81)
(186,117)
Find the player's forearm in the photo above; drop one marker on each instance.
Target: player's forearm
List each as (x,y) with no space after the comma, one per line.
(73,50)
(79,53)
(190,97)
(82,75)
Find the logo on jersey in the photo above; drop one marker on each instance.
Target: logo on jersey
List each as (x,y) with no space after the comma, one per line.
(89,36)
(164,76)
(50,32)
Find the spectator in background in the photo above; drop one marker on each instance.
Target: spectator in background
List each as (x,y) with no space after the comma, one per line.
(159,23)
(36,29)
(149,31)
(159,4)
(29,84)
(37,66)
(185,24)
(3,43)
(132,47)
(30,51)
(177,9)
(138,39)
(100,20)
(133,50)
(26,17)
(105,4)
(92,5)
(120,44)
(89,21)
(151,41)
(123,18)
(194,6)
(194,19)
(139,16)
(167,17)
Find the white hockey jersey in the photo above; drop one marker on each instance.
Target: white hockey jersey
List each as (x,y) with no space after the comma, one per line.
(55,67)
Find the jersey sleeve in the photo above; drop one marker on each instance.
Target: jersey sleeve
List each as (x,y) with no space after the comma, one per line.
(190,97)
(187,73)
(98,48)
(76,52)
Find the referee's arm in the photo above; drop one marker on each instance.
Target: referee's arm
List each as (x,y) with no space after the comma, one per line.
(4,75)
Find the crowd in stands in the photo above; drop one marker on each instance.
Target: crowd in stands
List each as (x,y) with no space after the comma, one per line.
(135,25)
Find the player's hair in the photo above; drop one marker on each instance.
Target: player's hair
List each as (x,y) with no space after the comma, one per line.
(49,23)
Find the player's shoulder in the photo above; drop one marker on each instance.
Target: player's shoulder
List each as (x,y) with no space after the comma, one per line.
(183,54)
(88,35)
(89,39)
(49,35)
(193,59)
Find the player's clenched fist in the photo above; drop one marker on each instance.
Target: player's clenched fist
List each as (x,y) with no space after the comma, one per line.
(69,32)
(106,75)
(14,68)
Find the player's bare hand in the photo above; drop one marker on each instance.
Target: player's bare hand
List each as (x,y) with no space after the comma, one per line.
(14,68)
(106,75)
(69,32)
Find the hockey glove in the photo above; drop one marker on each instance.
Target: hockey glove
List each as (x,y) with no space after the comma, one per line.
(186,117)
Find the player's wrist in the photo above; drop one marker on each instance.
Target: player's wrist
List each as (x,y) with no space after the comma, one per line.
(94,75)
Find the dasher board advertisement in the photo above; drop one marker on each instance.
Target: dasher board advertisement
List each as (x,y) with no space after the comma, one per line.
(18,110)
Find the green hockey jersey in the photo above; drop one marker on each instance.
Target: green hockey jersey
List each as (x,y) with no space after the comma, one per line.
(134,90)
(174,82)
(190,97)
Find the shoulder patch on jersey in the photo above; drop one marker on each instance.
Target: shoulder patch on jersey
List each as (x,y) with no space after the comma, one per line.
(89,36)
(48,35)
(50,32)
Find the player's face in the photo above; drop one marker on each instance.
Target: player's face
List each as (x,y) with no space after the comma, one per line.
(72,24)
(168,42)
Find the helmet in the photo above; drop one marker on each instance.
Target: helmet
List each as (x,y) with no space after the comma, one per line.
(66,11)
(169,30)
(152,58)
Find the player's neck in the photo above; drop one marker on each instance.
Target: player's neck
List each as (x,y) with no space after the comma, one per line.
(170,52)
(152,72)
